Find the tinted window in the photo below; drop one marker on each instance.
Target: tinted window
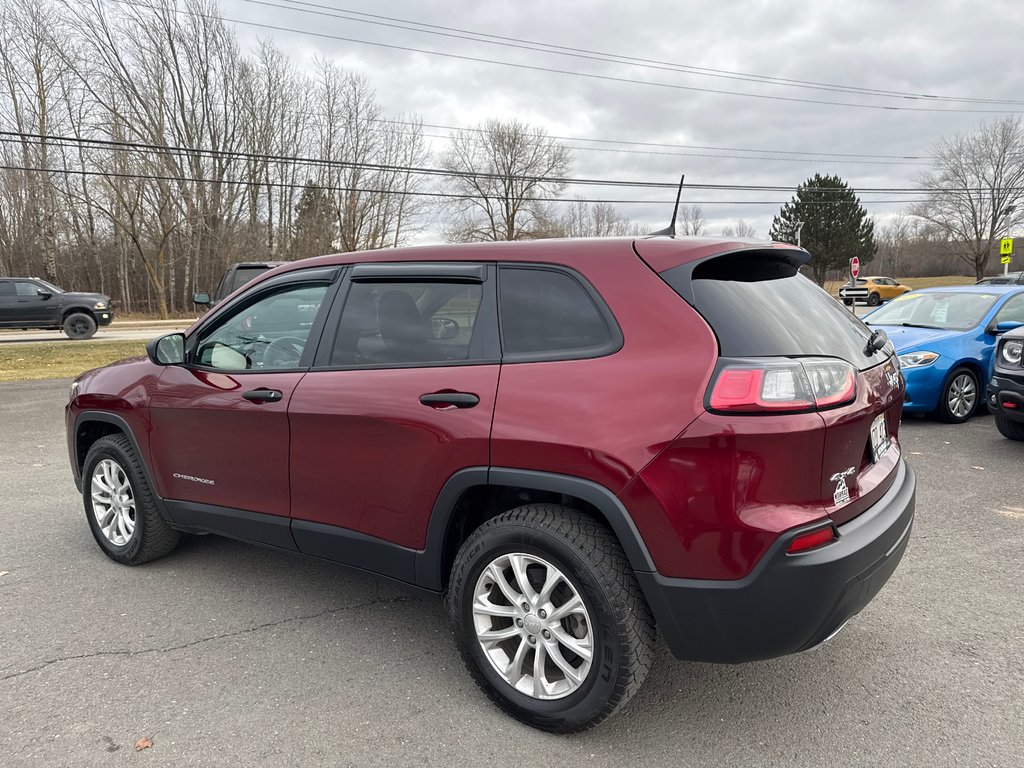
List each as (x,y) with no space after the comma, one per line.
(399,323)
(268,333)
(949,311)
(545,312)
(760,306)
(6,288)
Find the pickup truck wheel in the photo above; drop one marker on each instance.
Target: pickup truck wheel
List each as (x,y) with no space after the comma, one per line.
(549,618)
(1013,430)
(120,507)
(79,326)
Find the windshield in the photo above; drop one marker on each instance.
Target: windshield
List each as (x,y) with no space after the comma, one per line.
(50,286)
(946,311)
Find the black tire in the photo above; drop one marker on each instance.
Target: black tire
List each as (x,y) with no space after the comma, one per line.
(848,302)
(874,299)
(1013,430)
(960,377)
(79,326)
(593,563)
(152,537)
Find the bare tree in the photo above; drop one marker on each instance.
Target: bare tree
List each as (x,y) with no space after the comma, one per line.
(742,230)
(583,219)
(692,221)
(975,190)
(503,171)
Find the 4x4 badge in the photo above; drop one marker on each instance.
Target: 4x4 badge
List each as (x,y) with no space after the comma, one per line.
(842,494)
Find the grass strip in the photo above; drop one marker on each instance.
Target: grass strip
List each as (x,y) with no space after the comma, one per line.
(62,359)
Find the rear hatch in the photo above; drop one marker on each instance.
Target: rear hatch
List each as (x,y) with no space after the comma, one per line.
(787,347)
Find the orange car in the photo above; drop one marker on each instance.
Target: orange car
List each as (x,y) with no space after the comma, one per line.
(879,289)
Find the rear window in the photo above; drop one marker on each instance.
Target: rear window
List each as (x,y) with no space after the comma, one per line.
(760,306)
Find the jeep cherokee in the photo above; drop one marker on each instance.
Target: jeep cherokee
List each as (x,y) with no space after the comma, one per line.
(577,443)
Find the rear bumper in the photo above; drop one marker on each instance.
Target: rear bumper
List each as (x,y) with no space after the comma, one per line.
(1006,397)
(789,603)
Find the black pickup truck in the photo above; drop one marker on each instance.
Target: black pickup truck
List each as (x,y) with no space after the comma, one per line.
(28,302)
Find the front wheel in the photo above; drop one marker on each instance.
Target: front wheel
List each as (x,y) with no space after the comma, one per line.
(549,618)
(874,300)
(1013,430)
(120,506)
(79,326)
(959,397)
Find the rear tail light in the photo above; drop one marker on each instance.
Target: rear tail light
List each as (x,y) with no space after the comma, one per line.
(812,540)
(759,386)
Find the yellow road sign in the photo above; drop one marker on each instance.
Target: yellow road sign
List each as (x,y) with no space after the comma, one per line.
(1006,246)
(1005,260)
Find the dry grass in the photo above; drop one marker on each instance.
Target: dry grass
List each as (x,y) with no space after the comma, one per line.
(833,286)
(61,359)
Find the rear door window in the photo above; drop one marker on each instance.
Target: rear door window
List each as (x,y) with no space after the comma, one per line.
(395,323)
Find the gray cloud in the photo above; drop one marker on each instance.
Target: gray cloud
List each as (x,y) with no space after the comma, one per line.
(942,47)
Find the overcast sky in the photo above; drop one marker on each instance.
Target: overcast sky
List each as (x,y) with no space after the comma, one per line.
(942,48)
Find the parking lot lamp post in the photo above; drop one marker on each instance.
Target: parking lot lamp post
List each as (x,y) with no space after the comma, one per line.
(799,226)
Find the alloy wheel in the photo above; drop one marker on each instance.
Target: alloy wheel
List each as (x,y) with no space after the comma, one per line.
(113,502)
(962,395)
(533,626)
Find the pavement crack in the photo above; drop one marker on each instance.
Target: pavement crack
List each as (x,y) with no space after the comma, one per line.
(128,652)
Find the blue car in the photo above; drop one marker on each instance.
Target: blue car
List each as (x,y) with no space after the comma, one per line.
(944,338)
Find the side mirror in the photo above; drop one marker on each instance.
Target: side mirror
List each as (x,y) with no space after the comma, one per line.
(167,350)
(45,293)
(202,299)
(444,328)
(997,329)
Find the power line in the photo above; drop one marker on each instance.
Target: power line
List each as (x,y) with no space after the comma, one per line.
(586,75)
(115,145)
(450,195)
(593,55)
(16,137)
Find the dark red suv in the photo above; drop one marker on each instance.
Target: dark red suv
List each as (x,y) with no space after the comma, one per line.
(577,442)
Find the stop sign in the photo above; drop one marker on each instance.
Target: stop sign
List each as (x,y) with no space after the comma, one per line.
(855,266)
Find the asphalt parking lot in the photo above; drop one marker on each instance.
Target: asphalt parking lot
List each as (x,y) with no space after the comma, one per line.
(226,654)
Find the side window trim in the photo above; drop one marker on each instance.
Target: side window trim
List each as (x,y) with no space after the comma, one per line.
(485,329)
(616,339)
(224,312)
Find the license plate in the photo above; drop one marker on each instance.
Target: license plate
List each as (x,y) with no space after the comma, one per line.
(879,437)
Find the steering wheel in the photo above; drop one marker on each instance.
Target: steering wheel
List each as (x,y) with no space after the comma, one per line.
(284,352)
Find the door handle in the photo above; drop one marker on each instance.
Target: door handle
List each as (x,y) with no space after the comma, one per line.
(263,395)
(450,399)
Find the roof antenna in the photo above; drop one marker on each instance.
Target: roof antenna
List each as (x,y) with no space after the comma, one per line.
(670,231)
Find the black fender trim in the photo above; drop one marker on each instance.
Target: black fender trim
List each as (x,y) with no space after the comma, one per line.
(120,423)
(429,562)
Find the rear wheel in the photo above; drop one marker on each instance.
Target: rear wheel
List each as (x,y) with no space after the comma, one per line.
(959,397)
(549,617)
(874,299)
(79,326)
(1014,430)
